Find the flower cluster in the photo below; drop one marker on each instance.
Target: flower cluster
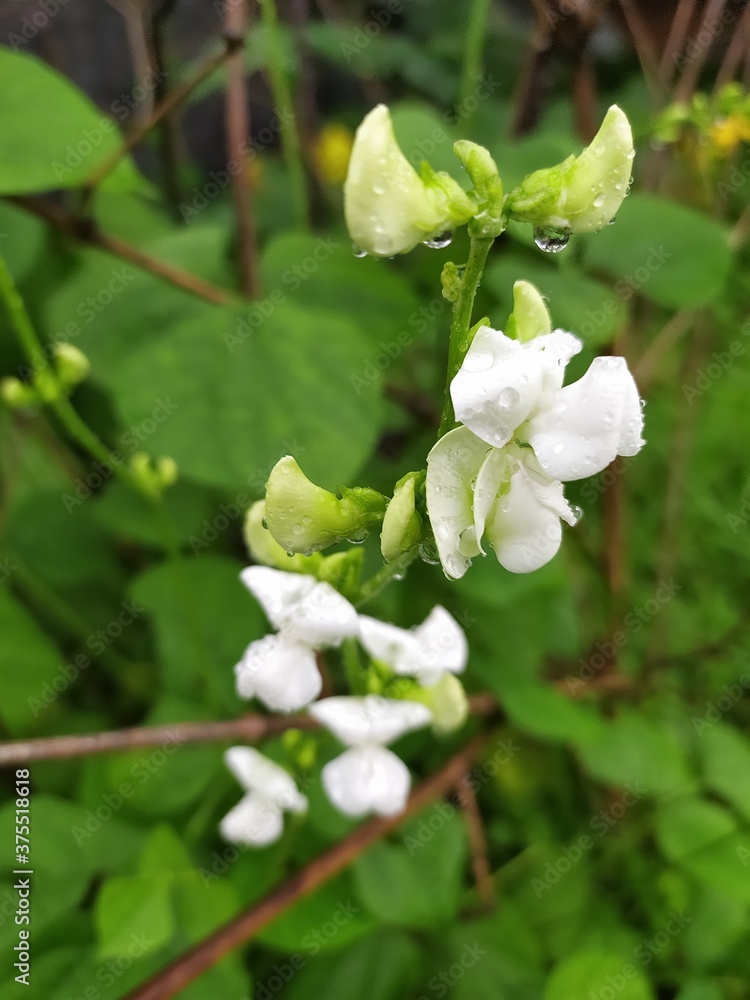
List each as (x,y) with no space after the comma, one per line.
(281,671)
(522,434)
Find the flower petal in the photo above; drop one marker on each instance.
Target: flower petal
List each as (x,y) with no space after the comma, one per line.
(389,643)
(323,617)
(367,779)
(372,719)
(495,470)
(452,466)
(281,672)
(522,529)
(555,351)
(255,820)
(496,387)
(257,773)
(443,646)
(277,592)
(580,429)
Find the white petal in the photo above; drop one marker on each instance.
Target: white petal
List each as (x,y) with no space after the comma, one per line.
(497,386)
(254,820)
(371,719)
(495,470)
(257,773)
(579,429)
(323,617)
(367,779)
(443,645)
(395,646)
(555,351)
(452,467)
(524,532)
(279,671)
(277,592)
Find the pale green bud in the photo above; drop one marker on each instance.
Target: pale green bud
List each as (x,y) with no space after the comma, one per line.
(488,188)
(72,365)
(583,193)
(264,548)
(530,317)
(48,386)
(166,471)
(446,700)
(402,525)
(389,208)
(303,517)
(342,570)
(16,394)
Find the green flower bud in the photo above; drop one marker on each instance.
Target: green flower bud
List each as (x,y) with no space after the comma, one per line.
(583,193)
(72,365)
(166,471)
(303,517)
(488,188)
(446,700)
(16,394)
(264,548)
(48,386)
(389,208)
(530,317)
(402,525)
(342,570)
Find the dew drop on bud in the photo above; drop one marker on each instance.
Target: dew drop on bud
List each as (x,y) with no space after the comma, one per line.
(551,240)
(357,537)
(358,251)
(439,242)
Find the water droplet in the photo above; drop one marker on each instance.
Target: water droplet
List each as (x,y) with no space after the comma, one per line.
(264,523)
(439,242)
(306,519)
(551,240)
(291,554)
(358,537)
(599,201)
(558,449)
(428,553)
(643,403)
(508,397)
(576,511)
(398,576)
(358,251)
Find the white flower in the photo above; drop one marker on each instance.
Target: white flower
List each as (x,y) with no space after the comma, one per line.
(474,490)
(281,669)
(389,207)
(368,777)
(506,390)
(257,819)
(426,652)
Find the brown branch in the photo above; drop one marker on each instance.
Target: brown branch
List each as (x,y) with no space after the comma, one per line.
(87,232)
(687,83)
(644,45)
(477,841)
(676,40)
(732,61)
(173,99)
(248,728)
(237,114)
(238,931)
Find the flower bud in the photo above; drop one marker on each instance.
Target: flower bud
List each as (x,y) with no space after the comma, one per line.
(583,193)
(303,517)
(166,471)
(389,207)
(16,394)
(264,548)
(446,700)
(530,317)
(402,525)
(342,570)
(488,188)
(72,365)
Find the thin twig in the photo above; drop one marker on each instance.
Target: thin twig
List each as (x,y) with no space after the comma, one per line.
(648,364)
(676,40)
(736,50)
(189,966)
(644,45)
(173,99)
(687,83)
(168,133)
(248,729)
(87,232)
(237,117)
(477,841)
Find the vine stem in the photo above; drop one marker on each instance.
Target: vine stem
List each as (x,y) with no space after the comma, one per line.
(473,48)
(73,424)
(282,96)
(391,571)
(461,322)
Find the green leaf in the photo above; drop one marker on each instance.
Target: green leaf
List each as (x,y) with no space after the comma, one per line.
(638,751)
(584,972)
(416,883)
(51,135)
(723,866)
(700,989)
(719,923)
(726,765)
(587,307)
(29,662)
(328,918)
(542,711)
(686,825)
(135,907)
(671,254)
(164,852)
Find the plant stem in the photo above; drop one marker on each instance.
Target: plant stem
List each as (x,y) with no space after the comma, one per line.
(353,666)
(392,570)
(473,48)
(76,428)
(461,323)
(282,96)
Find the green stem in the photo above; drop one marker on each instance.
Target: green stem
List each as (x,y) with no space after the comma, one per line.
(473,48)
(355,675)
(282,96)
(391,571)
(461,322)
(76,428)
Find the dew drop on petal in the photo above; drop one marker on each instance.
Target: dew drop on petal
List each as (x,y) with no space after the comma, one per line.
(358,251)
(576,511)
(439,242)
(428,553)
(558,449)
(508,397)
(552,240)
